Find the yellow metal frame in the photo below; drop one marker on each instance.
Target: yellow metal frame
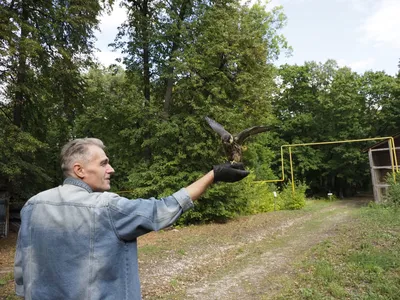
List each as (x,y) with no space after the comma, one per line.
(392,150)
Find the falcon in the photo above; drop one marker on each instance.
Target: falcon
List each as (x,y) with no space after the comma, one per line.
(232,143)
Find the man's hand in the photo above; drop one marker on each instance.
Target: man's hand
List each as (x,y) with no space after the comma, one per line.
(229,172)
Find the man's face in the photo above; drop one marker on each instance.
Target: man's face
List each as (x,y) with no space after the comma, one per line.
(97,171)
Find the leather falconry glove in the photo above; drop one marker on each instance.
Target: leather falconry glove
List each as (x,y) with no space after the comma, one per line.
(229,172)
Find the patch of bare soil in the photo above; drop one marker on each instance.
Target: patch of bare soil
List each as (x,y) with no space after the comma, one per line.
(7,252)
(248,258)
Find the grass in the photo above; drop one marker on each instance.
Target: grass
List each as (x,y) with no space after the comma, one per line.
(361,262)
(6,292)
(358,258)
(6,278)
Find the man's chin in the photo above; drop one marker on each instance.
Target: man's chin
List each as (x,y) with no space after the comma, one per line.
(107,185)
(105,188)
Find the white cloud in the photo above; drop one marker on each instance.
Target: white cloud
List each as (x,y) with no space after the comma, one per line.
(358,65)
(108,31)
(109,23)
(361,6)
(383,27)
(107,58)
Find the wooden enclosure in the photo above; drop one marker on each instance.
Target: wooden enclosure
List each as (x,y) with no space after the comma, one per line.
(381,160)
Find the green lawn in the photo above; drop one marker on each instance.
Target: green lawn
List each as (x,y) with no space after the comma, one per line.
(361,262)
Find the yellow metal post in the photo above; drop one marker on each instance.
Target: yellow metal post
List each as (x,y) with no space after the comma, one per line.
(394,154)
(291,168)
(393,158)
(392,146)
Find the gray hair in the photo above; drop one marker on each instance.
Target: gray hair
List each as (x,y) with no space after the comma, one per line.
(77,150)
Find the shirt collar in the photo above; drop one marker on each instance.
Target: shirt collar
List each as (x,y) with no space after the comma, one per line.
(78,182)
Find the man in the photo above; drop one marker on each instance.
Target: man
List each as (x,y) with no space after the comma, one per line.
(78,241)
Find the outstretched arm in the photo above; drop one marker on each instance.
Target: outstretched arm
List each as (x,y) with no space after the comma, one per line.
(197,188)
(226,172)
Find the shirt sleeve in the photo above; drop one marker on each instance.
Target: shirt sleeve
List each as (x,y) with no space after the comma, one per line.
(133,218)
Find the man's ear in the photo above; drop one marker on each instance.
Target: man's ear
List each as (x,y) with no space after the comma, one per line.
(78,170)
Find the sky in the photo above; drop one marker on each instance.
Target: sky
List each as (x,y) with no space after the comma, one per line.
(360,34)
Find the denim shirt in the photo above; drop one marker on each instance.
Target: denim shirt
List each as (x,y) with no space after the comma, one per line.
(77,244)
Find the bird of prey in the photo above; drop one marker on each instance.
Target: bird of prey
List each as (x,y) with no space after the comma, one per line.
(232,143)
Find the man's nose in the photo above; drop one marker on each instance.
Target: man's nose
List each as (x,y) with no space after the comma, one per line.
(110,169)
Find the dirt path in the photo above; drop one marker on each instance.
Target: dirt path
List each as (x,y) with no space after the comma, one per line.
(248,258)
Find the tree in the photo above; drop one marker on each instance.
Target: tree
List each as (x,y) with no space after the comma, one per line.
(204,58)
(113,113)
(44,46)
(378,91)
(318,103)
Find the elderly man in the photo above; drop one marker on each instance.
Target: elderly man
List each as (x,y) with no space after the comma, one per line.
(78,241)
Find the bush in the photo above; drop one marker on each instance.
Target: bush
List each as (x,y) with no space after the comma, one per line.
(225,201)
(393,194)
(293,200)
(259,195)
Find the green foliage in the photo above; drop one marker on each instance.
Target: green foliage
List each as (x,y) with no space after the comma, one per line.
(393,192)
(114,113)
(45,46)
(184,60)
(259,195)
(217,68)
(19,151)
(326,103)
(226,201)
(221,203)
(290,199)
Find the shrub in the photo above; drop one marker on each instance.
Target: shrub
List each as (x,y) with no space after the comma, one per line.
(293,200)
(259,196)
(226,201)
(219,204)
(393,193)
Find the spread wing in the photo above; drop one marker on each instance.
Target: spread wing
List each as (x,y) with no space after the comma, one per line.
(217,127)
(240,137)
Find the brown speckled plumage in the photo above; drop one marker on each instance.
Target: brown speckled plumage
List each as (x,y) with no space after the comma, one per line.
(232,143)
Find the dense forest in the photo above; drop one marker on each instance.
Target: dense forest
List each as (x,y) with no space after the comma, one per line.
(183,60)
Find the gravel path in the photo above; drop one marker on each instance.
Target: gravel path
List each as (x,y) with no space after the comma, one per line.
(248,258)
